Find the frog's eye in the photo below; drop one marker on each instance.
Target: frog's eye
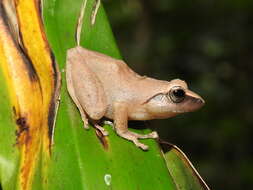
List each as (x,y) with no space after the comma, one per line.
(176,94)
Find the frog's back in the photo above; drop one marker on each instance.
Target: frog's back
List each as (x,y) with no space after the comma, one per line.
(119,81)
(116,73)
(106,67)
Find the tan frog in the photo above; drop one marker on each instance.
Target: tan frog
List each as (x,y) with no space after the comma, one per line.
(102,86)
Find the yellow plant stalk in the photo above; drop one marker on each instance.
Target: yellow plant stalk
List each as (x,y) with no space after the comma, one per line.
(31,77)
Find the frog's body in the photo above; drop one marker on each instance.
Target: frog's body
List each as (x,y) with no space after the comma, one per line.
(102,86)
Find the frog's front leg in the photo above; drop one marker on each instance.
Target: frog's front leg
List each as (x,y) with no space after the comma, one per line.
(120,123)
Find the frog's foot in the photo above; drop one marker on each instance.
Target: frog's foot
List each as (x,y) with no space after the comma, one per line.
(152,135)
(101,129)
(131,136)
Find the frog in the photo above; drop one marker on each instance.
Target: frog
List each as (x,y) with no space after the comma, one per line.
(104,87)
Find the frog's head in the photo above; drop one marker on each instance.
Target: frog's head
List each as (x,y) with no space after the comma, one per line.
(176,98)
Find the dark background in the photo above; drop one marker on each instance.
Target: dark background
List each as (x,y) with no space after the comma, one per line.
(210,45)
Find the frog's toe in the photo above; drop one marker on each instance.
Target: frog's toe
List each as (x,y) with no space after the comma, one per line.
(86,125)
(104,132)
(101,129)
(109,123)
(154,135)
(106,122)
(140,145)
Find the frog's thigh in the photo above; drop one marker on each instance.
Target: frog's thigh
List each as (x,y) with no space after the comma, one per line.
(87,87)
(74,98)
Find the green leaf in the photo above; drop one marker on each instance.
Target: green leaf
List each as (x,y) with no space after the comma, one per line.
(9,156)
(182,171)
(79,159)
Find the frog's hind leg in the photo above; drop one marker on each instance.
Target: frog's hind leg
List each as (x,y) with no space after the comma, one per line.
(74,98)
(84,85)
